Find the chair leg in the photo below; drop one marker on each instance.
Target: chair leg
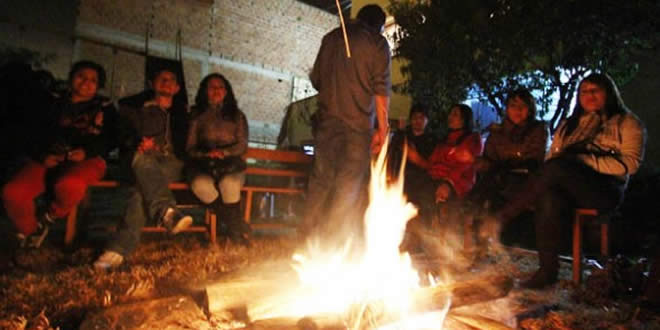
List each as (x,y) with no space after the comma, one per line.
(604,240)
(577,249)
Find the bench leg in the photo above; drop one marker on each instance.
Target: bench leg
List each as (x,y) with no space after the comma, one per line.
(213,225)
(248,206)
(70,233)
(604,240)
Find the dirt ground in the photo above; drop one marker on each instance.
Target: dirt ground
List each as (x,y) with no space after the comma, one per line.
(53,287)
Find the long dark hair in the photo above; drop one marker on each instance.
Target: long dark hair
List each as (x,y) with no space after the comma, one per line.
(468,121)
(466,115)
(229,105)
(613,102)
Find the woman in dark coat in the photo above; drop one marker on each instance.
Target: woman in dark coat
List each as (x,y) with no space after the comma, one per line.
(514,149)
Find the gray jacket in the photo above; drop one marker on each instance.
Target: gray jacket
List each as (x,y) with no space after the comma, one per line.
(347,86)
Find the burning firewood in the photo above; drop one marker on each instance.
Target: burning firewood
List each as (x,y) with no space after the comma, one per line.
(238,293)
(478,322)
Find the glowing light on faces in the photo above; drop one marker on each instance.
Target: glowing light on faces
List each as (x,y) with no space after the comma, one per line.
(455,119)
(216,91)
(84,84)
(592,97)
(165,84)
(418,122)
(517,111)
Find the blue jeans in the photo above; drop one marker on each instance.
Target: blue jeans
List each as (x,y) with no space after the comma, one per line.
(336,191)
(149,198)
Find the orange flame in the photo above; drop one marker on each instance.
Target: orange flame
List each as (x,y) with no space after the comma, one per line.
(371,290)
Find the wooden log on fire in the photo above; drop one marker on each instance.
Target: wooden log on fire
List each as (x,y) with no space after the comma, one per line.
(240,291)
(234,291)
(478,322)
(471,291)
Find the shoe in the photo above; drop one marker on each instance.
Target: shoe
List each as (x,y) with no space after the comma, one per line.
(241,239)
(175,221)
(35,239)
(540,280)
(547,274)
(489,229)
(46,218)
(109,259)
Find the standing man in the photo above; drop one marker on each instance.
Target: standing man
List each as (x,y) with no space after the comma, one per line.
(352,91)
(147,133)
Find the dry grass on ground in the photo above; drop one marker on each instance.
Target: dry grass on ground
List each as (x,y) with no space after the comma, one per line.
(62,288)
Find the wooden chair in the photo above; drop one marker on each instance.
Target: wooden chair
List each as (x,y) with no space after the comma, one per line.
(580,218)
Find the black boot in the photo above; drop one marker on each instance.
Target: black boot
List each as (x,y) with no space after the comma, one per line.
(547,274)
(239,231)
(221,229)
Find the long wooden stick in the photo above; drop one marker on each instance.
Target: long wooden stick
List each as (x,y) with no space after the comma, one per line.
(343,28)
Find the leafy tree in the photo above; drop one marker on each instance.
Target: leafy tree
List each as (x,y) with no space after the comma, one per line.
(493,46)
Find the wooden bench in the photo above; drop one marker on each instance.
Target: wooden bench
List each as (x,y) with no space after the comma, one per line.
(256,158)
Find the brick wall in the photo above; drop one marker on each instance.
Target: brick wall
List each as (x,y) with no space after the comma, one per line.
(261,46)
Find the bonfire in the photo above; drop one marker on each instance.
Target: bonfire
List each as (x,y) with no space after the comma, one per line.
(374,288)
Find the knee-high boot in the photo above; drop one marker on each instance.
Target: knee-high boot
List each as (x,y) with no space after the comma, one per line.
(239,230)
(547,273)
(222,229)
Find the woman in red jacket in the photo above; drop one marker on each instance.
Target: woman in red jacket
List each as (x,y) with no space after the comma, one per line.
(451,165)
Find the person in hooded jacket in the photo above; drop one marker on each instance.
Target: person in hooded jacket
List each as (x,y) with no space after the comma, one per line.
(74,137)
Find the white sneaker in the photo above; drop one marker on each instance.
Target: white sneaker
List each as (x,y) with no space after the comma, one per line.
(109,259)
(35,239)
(175,221)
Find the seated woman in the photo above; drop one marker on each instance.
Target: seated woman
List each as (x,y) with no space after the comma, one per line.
(450,166)
(592,156)
(217,139)
(514,148)
(72,144)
